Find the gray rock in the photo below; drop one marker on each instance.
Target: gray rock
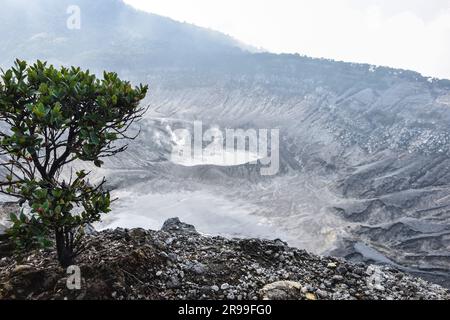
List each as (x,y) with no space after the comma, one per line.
(198,268)
(337,278)
(230,296)
(322,294)
(215,288)
(173,257)
(176,226)
(173,283)
(224,286)
(341,270)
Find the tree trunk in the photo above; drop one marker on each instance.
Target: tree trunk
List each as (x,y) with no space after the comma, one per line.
(63,249)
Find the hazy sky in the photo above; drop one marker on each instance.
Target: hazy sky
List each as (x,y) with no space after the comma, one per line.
(410,34)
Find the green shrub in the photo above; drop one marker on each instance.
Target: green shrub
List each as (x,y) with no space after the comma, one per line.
(52,118)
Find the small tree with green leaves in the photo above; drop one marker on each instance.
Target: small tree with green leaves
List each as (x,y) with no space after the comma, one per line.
(50,119)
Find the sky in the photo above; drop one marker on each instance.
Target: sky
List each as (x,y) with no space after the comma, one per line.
(408,34)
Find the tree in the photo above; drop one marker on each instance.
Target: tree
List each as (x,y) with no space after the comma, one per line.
(51,119)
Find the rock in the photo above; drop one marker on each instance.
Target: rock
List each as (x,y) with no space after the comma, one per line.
(281,290)
(215,288)
(327,283)
(197,268)
(379,287)
(22,268)
(230,296)
(173,283)
(331,265)
(280,244)
(160,244)
(322,294)
(164,255)
(224,286)
(169,241)
(307,288)
(173,257)
(137,233)
(310,296)
(176,226)
(341,270)
(337,278)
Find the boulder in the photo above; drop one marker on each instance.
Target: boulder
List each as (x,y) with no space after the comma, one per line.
(281,290)
(176,226)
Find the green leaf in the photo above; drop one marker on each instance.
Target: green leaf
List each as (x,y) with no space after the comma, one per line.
(39,110)
(111,136)
(94,138)
(43,88)
(8,75)
(56,193)
(22,217)
(98,163)
(13,217)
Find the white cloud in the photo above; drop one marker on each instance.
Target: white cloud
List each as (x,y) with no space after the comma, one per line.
(410,34)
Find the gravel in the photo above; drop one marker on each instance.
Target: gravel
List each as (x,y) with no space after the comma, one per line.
(177,264)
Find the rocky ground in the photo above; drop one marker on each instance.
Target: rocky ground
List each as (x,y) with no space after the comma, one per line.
(179,263)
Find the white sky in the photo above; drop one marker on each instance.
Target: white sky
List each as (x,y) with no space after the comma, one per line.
(409,34)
